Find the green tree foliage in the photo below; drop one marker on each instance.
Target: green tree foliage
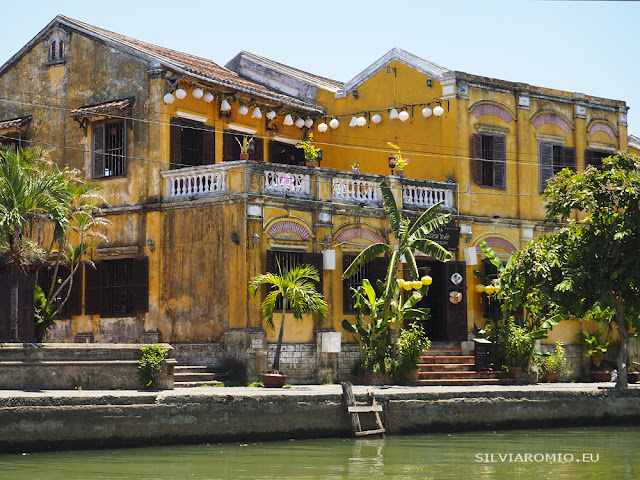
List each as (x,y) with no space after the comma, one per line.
(298,292)
(588,269)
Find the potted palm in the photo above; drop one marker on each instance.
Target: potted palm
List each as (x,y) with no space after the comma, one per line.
(596,350)
(519,349)
(244,146)
(298,293)
(552,365)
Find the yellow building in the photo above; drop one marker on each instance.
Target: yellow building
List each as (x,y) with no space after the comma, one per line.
(191,222)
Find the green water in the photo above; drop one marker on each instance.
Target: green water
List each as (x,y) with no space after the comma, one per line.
(575,453)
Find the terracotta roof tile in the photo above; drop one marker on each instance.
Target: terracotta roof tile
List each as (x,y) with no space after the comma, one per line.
(102,107)
(14,123)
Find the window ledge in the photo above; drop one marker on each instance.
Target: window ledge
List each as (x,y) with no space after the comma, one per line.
(118,252)
(53,63)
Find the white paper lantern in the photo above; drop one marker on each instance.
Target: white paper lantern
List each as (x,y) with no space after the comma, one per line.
(180,94)
(323,127)
(376,119)
(394,114)
(168,98)
(271,114)
(243,110)
(426,112)
(197,93)
(353,122)
(299,122)
(403,116)
(208,97)
(224,106)
(256,113)
(361,121)
(438,111)
(308,123)
(334,123)
(288,120)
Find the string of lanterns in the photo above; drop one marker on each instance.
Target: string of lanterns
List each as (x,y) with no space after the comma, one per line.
(414,284)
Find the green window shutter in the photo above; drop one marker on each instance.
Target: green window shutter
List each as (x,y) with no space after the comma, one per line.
(97,152)
(545,159)
(477,158)
(499,162)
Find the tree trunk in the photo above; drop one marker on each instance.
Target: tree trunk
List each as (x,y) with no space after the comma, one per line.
(624,346)
(276,357)
(13,313)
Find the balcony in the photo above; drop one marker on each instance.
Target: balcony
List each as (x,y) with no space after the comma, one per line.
(303,183)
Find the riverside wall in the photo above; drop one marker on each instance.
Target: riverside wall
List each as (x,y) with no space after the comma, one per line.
(54,420)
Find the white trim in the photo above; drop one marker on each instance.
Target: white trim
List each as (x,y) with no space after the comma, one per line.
(556,140)
(286,140)
(192,116)
(241,129)
(491,130)
(603,147)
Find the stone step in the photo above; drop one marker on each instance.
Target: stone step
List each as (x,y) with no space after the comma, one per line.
(463,382)
(446,366)
(457,374)
(447,352)
(197,376)
(447,359)
(211,383)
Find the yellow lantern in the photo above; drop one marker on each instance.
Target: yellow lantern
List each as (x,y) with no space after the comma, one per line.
(480,288)
(417,284)
(407,286)
(496,288)
(426,280)
(400,282)
(489,289)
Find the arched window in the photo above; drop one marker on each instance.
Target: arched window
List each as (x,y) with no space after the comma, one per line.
(56,50)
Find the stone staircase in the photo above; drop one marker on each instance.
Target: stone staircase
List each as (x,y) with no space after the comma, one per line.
(197,376)
(448,366)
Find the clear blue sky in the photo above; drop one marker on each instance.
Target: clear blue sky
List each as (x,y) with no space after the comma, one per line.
(590,47)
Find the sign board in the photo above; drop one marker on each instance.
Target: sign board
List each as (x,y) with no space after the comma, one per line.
(256,343)
(447,237)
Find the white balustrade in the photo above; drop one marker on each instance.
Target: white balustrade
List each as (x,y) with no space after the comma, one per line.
(296,184)
(423,196)
(195,182)
(355,190)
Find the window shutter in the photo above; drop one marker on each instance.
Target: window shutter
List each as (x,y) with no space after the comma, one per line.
(208,146)
(124,147)
(569,158)
(227,146)
(346,292)
(74,304)
(258,150)
(176,143)
(456,313)
(98,151)
(378,271)
(5,307)
(141,285)
(93,289)
(545,158)
(26,324)
(477,158)
(315,259)
(588,158)
(499,162)
(271,262)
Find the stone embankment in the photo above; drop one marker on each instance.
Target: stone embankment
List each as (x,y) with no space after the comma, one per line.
(47,420)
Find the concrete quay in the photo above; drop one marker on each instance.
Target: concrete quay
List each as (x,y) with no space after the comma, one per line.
(69,419)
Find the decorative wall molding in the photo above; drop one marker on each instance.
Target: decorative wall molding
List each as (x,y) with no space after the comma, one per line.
(359,232)
(498,242)
(553,119)
(492,109)
(601,126)
(287,226)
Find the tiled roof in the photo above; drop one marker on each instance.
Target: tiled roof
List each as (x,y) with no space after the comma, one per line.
(202,68)
(14,123)
(102,107)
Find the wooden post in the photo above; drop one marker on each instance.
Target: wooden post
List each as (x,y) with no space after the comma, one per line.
(355,410)
(350,401)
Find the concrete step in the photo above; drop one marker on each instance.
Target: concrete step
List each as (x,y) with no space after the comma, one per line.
(447,359)
(211,383)
(463,382)
(457,374)
(197,375)
(447,352)
(446,366)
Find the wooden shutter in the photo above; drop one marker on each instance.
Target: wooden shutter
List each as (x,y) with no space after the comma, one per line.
(315,259)
(378,271)
(93,289)
(26,323)
(176,143)
(208,146)
(258,150)
(74,303)
(227,146)
(569,158)
(141,285)
(5,307)
(588,158)
(98,151)
(456,313)
(545,159)
(271,262)
(346,291)
(499,162)
(477,158)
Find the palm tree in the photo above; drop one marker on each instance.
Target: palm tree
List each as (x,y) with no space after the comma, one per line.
(410,238)
(298,292)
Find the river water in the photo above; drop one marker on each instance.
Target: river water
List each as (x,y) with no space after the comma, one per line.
(610,453)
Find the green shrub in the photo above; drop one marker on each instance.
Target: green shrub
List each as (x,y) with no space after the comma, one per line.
(519,346)
(153,356)
(412,343)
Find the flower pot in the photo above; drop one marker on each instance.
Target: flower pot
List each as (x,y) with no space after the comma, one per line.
(244,156)
(355,170)
(515,372)
(273,380)
(550,377)
(412,376)
(310,163)
(601,376)
(400,173)
(632,377)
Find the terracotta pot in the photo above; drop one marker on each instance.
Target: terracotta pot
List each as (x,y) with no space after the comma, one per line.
(601,376)
(273,380)
(550,377)
(515,372)
(412,376)
(632,377)
(244,156)
(400,173)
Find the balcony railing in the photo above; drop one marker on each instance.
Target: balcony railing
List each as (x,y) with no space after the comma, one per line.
(243,177)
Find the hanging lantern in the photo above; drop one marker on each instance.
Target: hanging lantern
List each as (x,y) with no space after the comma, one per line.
(208,97)
(334,123)
(426,280)
(489,290)
(299,122)
(480,288)
(376,119)
(403,116)
(393,115)
(416,284)
(400,282)
(168,98)
(426,112)
(256,113)
(288,120)
(197,93)
(224,106)
(308,123)
(407,286)
(323,127)
(353,122)
(180,94)
(243,110)
(496,288)
(271,114)
(361,121)
(438,111)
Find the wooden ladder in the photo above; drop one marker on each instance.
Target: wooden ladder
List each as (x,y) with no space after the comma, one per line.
(355,410)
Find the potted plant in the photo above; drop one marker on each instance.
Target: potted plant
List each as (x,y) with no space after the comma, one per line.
(397,161)
(311,152)
(298,293)
(596,350)
(519,348)
(552,365)
(412,343)
(355,167)
(244,146)
(449,177)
